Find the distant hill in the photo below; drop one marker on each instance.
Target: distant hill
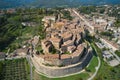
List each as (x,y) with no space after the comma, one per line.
(53,3)
(14,3)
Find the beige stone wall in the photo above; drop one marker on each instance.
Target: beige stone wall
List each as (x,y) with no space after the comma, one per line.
(40,60)
(75,60)
(66,61)
(62,71)
(57,62)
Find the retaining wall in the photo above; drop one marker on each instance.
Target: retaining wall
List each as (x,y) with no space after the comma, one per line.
(62,71)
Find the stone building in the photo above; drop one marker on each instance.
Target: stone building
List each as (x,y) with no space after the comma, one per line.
(71,49)
(48,18)
(22,51)
(46,46)
(66,36)
(56,42)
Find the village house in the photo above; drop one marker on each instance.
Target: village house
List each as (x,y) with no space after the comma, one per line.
(46,46)
(49,18)
(66,38)
(2,55)
(22,51)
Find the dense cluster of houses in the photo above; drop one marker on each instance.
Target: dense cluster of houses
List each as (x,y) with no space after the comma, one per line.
(65,38)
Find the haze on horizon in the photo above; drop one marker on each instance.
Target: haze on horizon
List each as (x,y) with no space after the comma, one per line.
(53,3)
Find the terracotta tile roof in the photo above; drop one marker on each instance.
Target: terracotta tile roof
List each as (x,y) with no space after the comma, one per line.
(66,35)
(71,47)
(54,34)
(79,50)
(77,30)
(58,25)
(64,56)
(50,56)
(68,42)
(79,46)
(54,39)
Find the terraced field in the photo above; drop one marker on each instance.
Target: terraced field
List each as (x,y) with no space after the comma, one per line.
(15,70)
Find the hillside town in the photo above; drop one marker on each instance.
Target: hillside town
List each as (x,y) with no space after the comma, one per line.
(61,42)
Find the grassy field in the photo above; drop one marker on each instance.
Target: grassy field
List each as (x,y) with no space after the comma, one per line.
(92,65)
(81,76)
(107,72)
(17,69)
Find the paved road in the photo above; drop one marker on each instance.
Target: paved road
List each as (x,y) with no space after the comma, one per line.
(97,68)
(86,22)
(111,46)
(92,27)
(118,58)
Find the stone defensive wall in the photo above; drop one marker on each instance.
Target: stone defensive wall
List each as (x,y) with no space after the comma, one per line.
(51,71)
